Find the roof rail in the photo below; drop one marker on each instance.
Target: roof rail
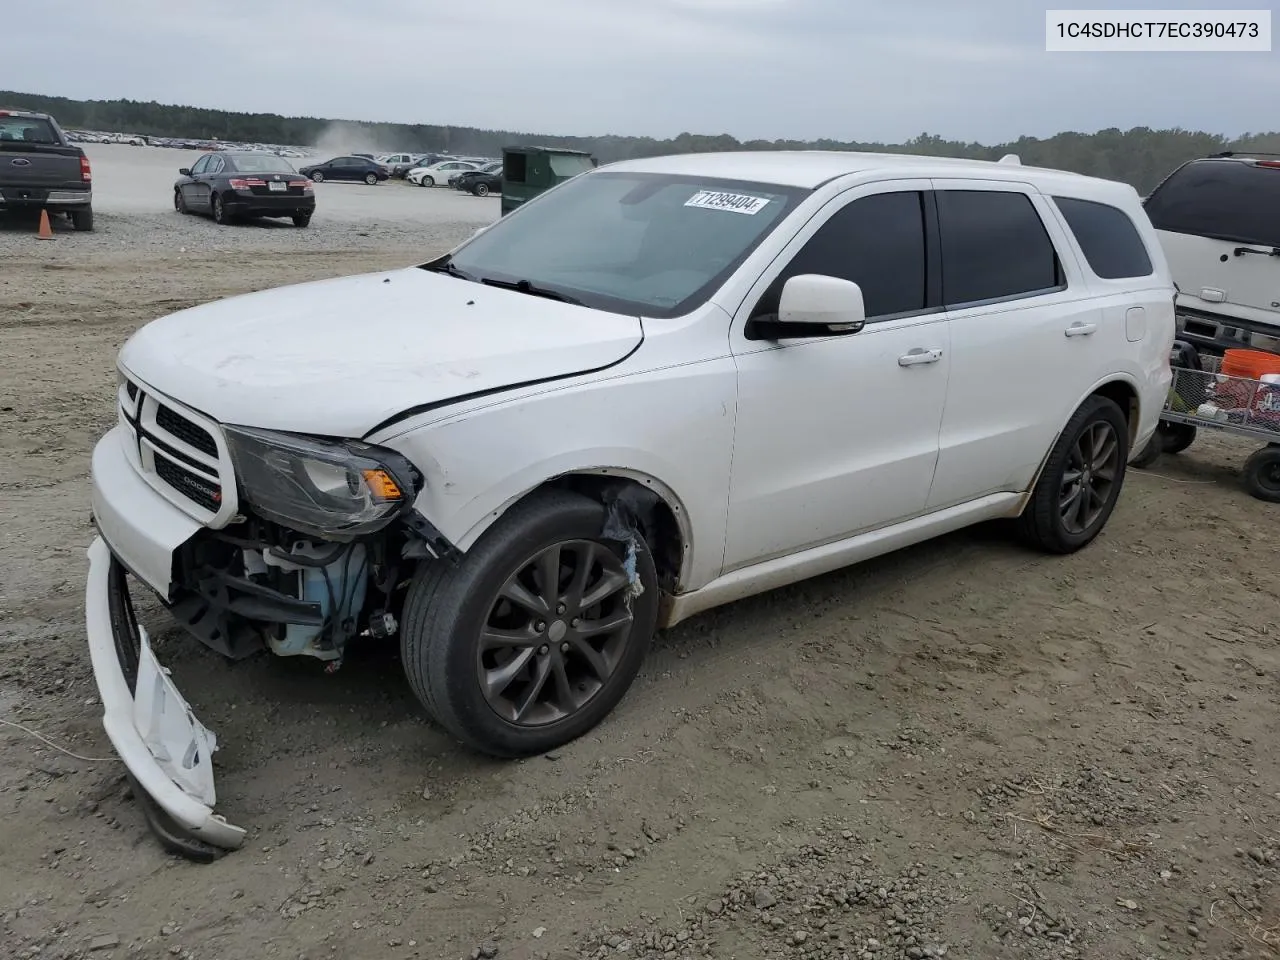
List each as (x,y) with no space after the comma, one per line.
(1241,153)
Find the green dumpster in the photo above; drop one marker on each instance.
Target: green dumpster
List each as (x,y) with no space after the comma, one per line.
(529,171)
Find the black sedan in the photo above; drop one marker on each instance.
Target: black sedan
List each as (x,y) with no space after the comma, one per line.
(482,182)
(229,184)
(347,168)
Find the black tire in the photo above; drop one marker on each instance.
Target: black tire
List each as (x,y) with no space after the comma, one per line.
(427,182)
(480,189)
(447,609)
(82,220)
(1176,437)
(1150,453)
(1043,522)
(180,202)
(1262,474)
(316,176)
(371,179)
(219,210)
(301,219)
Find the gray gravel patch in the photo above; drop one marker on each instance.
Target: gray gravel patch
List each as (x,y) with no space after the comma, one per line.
(178,234)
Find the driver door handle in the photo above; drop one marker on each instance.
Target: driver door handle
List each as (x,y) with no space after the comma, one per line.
(918,356)
(1080,329)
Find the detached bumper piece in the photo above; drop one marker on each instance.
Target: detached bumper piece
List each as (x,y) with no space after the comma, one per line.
(167,751)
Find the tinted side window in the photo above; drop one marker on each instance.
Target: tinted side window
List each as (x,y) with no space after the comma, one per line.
(1225,199)
(1110,242)
(878,243)
(200,165)
(994,246)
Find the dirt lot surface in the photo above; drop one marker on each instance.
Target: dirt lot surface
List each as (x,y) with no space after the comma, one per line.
(961,750)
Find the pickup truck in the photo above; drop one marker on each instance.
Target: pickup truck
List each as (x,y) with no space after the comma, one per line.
(41,168)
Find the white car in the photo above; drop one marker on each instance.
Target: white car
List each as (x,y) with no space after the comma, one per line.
(659,387)
(1218,220)
(439,173)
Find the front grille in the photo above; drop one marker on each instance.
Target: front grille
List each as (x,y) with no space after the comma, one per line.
(189,484)
(179,426)
(176,451)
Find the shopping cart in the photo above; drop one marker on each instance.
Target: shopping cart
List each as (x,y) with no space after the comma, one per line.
(1206,398)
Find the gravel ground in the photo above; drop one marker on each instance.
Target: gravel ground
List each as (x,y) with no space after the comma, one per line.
(960,750)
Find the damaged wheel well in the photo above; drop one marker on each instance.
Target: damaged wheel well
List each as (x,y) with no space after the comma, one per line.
(630,500)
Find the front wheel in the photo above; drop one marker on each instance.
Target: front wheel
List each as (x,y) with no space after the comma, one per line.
(1081,480)
(1262,474)
(538,633)
(427,182)
(317,176)
(179,201)
(480,189)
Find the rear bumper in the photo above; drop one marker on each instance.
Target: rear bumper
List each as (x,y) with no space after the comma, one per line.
(30,197)
(265,205)
(1216,333)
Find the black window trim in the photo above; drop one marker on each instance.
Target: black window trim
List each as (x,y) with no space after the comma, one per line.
(976,186)
(932,255)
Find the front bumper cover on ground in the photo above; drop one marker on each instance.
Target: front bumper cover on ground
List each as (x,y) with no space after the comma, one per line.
(167,751)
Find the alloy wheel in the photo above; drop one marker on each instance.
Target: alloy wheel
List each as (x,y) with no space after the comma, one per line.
(555,633)
(1089,480)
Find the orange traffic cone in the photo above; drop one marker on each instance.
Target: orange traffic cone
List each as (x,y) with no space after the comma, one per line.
(45,232)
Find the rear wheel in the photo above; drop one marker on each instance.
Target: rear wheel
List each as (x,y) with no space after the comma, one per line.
(534,638)
(1081,481)
(427,182)
(1176,437)
(480,189)
(1262,474)
(82,219)
(301,219)
(219,210)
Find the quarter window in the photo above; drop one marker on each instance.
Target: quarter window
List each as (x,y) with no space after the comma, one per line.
(1108,238)
(994,247)
(878,243)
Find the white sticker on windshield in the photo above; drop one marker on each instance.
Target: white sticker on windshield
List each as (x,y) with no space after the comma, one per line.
(734,202)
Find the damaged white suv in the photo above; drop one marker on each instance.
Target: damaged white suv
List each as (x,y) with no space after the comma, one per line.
(661,386)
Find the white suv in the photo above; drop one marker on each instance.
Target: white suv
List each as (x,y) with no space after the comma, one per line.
(661,386)
(1218,220)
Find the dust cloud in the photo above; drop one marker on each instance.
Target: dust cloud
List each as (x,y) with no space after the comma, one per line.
(344,137)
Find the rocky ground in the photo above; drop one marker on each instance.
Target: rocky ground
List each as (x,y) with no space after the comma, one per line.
(961,750)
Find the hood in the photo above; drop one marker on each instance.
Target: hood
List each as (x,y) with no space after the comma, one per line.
(338,357)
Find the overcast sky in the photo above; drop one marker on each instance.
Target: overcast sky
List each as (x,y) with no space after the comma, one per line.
(845,69)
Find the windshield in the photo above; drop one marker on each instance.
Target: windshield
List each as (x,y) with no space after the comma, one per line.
(263,164)
(641,243)
(1223,199)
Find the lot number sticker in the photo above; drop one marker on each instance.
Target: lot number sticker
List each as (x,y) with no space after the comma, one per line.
(733,202)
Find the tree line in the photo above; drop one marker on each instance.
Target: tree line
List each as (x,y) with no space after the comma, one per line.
(1140,156)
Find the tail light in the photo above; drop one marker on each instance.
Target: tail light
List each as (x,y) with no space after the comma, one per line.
(85,173)
(1269,163)
(238,183)
(304,184)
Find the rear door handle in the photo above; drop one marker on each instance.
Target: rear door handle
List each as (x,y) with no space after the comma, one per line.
(918,356)
(1079,329)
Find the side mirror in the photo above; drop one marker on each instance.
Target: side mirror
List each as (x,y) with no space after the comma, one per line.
(813,305)
(185,171)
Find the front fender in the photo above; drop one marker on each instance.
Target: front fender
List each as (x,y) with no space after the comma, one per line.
(671,430)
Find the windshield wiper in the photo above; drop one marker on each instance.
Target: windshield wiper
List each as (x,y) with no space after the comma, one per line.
(446,266)
(526,286)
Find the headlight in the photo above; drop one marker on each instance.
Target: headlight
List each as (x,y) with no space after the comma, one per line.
(332,490)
